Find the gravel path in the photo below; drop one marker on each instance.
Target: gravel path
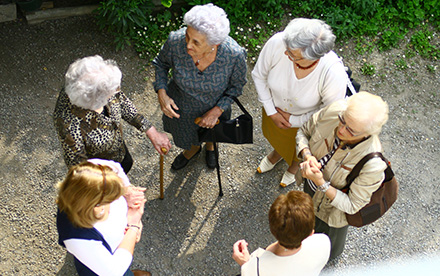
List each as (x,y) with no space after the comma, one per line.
(191,231)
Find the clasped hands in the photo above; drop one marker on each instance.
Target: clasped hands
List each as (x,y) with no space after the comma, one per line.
(311,169)
(136,202)
(281,119)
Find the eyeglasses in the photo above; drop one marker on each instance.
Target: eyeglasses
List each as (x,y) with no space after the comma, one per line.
(344,123)
(292,58)
(104,184)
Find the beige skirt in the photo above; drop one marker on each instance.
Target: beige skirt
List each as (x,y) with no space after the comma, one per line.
(282,140)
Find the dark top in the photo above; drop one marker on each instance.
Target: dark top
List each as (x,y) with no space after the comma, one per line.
(196,92)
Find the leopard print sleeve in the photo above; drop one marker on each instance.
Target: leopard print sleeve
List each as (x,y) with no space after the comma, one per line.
(130,114)
(69,135)
(74,151)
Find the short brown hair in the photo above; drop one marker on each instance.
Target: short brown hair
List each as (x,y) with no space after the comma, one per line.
(292,218)
(83,188)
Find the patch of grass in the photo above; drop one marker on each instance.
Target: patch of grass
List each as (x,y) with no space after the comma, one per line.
(401,64)
(364,45)
(431,68)
(368,69)
(421,43)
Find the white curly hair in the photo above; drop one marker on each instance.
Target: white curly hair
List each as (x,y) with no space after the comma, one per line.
(91,81)
(209,20)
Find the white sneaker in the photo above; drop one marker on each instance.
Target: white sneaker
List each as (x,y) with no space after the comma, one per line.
(266,165)
(288,179)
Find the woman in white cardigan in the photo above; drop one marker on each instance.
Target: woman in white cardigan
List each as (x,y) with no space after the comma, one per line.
(287,78)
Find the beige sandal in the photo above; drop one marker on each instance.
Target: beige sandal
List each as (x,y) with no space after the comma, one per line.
(288,179)
(266,165)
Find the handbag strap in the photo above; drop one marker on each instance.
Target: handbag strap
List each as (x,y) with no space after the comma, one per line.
(358,167)
(240,105)
(324,72)
(258,266)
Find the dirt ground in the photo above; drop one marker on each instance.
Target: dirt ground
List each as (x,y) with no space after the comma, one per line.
(192,230)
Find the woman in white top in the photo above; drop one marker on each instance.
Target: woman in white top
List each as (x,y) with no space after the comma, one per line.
(297,251)
(99,218)
(287,78)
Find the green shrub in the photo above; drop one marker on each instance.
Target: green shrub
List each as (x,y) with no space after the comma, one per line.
(123,18)
(421,42)
(374,24)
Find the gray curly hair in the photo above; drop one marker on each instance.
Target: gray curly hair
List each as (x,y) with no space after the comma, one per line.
(313,37)
(209,20)
(91,81)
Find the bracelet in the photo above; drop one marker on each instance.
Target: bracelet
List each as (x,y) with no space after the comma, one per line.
(133,225)
(324,187)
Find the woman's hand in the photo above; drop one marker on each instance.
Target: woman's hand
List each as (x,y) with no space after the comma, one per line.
(139,232)
(167,104)
(209,119)
(134,195)
(280,121)
(159,140)
(134,214)
(310,171)
(240,252)
(313,161)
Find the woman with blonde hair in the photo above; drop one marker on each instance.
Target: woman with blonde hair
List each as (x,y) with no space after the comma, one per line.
(97,222)
(331,143)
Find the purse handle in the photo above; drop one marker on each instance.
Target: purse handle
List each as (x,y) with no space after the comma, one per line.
(358,167)
(197,120)
(239,105)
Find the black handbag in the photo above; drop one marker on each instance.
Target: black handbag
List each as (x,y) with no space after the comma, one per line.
(234,131)
(382,198)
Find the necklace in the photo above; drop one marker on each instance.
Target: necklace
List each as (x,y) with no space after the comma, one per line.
(198,60)
(306,67)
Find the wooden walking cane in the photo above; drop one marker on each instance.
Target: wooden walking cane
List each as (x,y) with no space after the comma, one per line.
(164,150)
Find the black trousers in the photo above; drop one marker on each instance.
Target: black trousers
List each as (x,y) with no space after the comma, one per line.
(337,235)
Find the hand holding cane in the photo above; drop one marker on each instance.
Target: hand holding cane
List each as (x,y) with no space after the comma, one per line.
(164,150)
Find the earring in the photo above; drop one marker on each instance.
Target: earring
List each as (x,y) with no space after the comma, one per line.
(212,49)
(100,215)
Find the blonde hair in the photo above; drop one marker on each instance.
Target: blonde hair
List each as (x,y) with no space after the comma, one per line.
(370,111)
(84,188)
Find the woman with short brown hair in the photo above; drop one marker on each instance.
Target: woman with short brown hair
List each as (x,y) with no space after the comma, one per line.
(297,251)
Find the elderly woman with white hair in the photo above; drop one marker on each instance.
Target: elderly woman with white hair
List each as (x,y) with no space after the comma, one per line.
(208,68)
(89,111)
(287,76)
(331,143)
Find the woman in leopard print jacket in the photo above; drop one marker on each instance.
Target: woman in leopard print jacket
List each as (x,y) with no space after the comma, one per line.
(89,110)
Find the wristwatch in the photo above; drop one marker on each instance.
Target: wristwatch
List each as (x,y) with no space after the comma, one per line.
(324,187)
